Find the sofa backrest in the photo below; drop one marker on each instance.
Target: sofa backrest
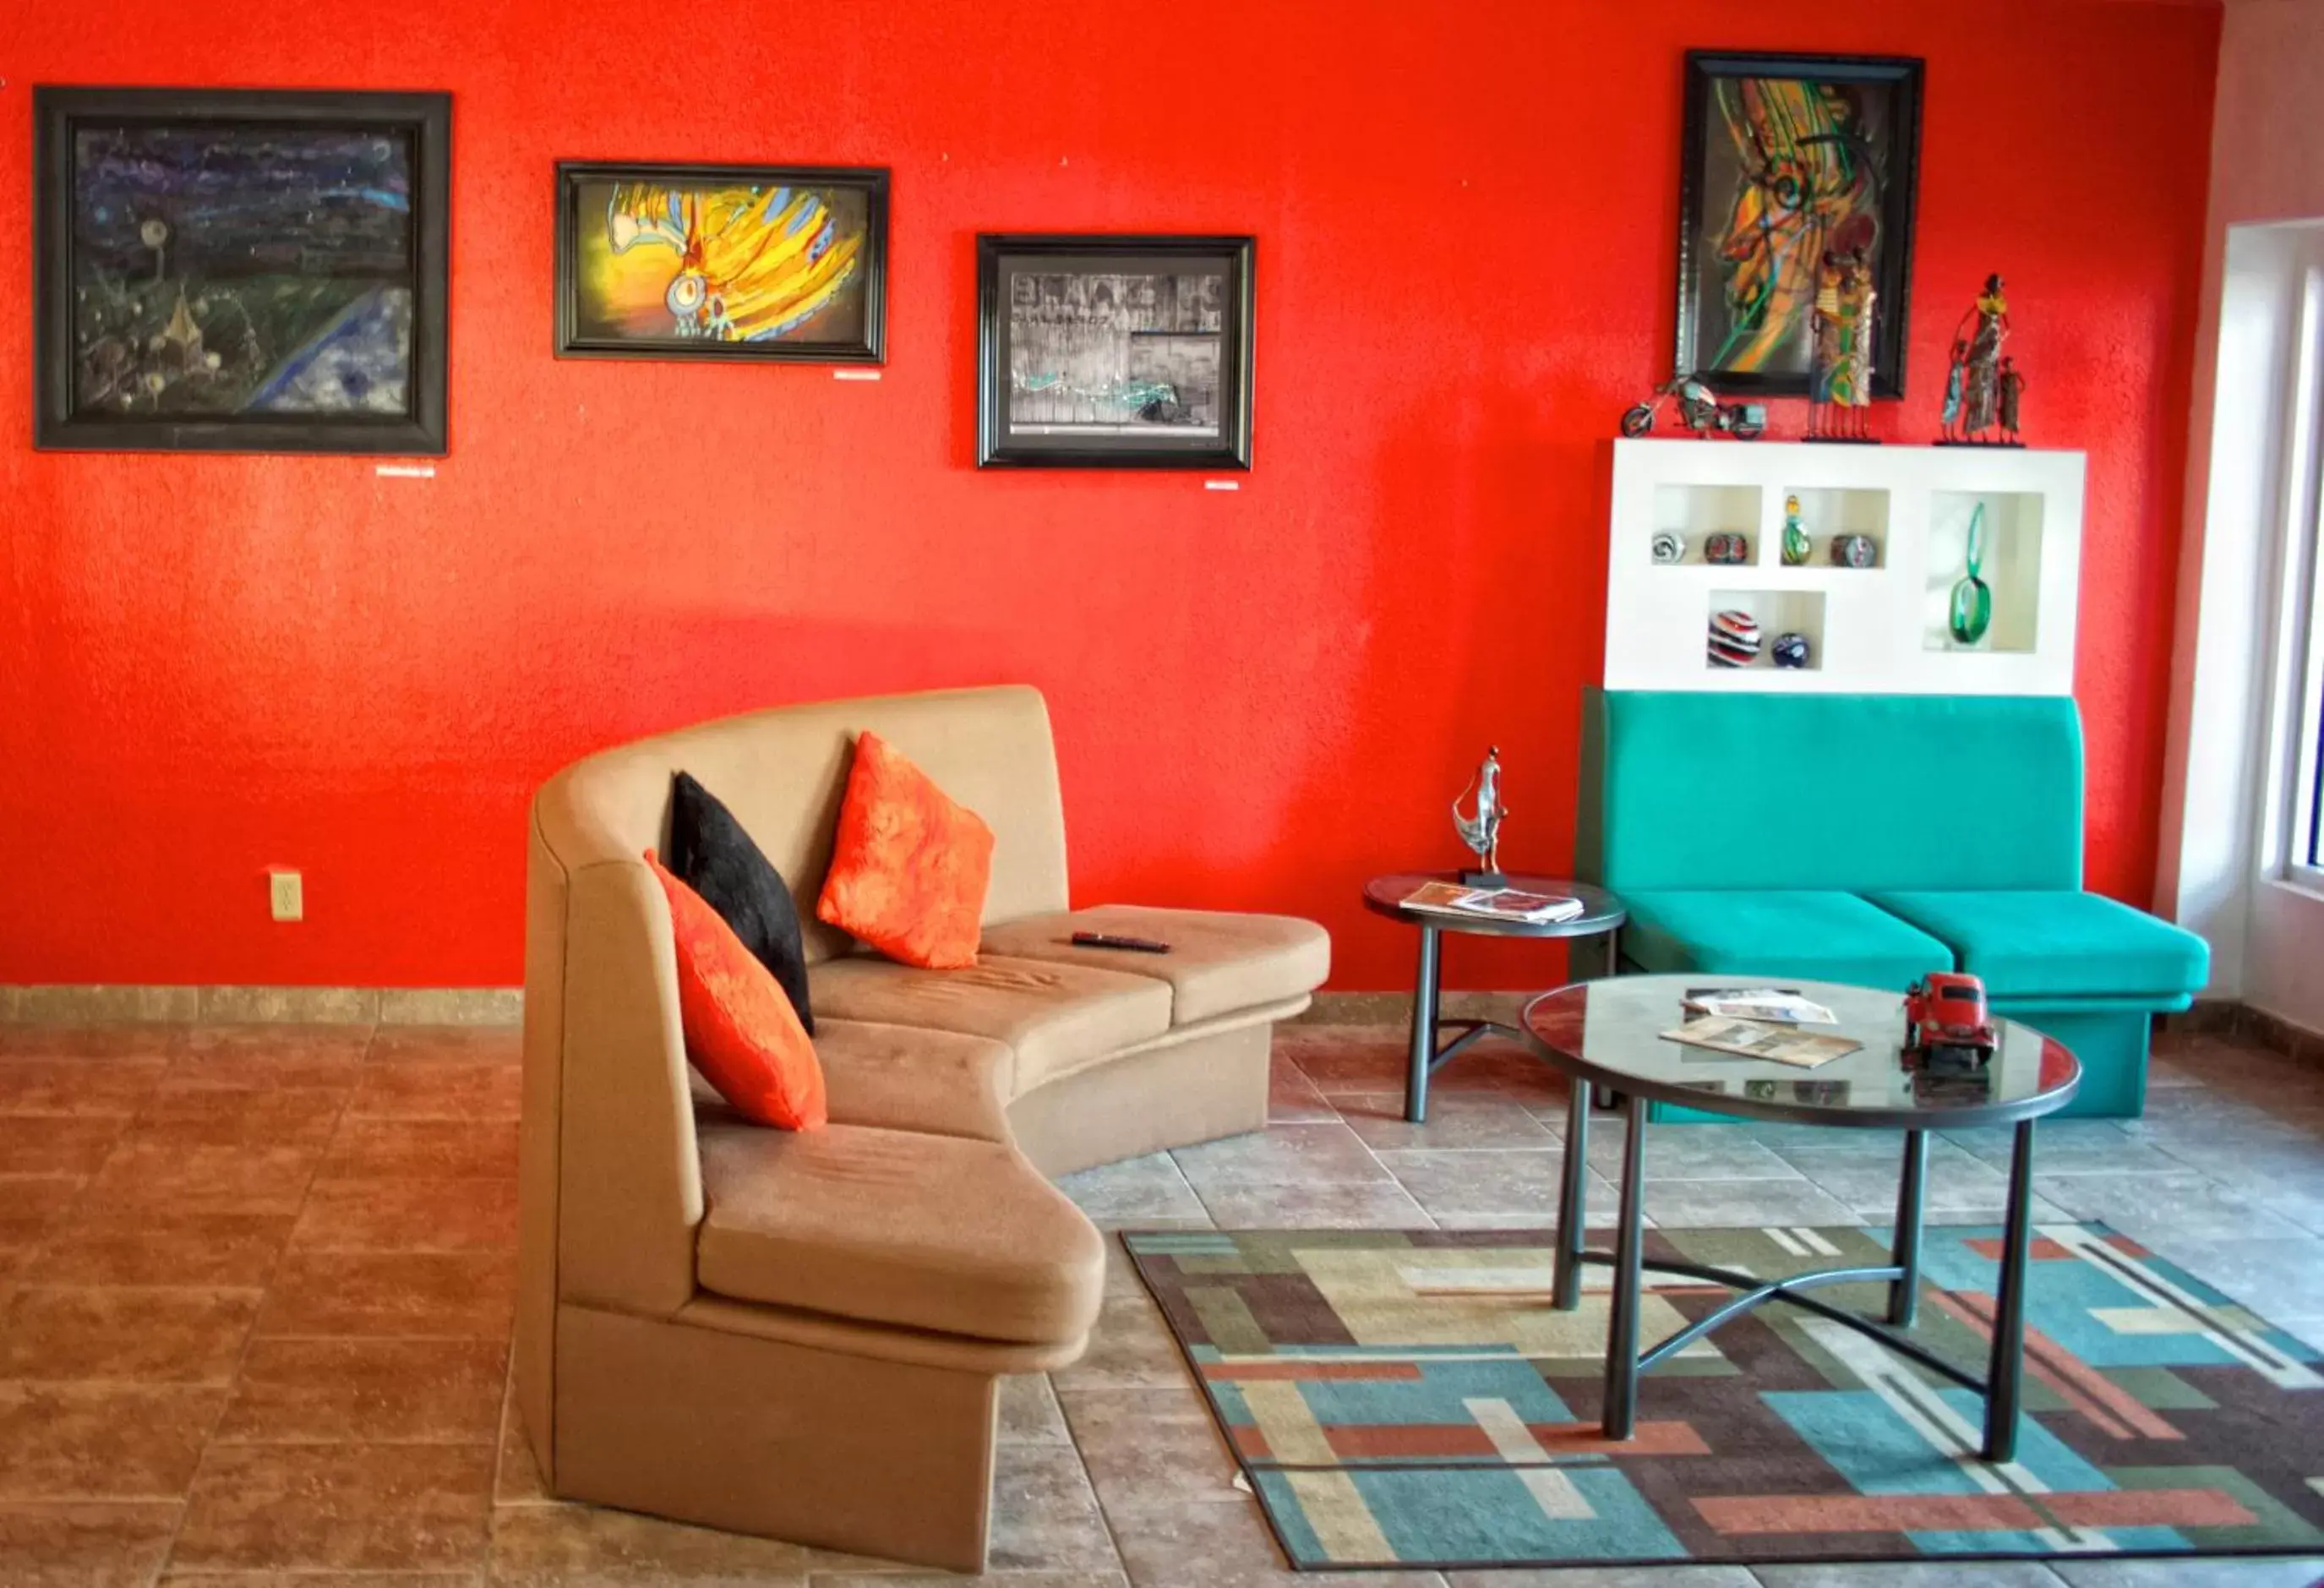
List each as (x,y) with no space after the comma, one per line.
(1855,793)
(612,1185)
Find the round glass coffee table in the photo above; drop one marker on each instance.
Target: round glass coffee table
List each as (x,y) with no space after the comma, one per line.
(1602,915)
(1607,1034)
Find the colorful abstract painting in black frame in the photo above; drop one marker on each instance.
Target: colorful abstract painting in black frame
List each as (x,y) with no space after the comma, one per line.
(1114,352)
(1785,159)
(241,271)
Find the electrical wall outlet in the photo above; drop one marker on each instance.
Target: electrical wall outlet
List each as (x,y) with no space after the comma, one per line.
(286,893)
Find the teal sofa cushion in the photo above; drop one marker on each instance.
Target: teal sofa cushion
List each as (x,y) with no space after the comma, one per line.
(2028,944)
(1826,937)
(1853,793)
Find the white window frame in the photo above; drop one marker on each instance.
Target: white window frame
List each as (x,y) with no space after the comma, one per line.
(2296,709)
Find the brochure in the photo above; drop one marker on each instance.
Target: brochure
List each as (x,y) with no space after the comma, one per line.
(1775,1006)
(1750,1039)
(1506,904)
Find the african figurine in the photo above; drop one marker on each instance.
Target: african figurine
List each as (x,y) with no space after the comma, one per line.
(1973,385)
(2013,393)
(1482,831)
(1839,373)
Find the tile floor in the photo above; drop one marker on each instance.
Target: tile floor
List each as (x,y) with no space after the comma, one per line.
(255,1286)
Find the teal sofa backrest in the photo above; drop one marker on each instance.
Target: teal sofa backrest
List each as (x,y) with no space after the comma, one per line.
(1855,793)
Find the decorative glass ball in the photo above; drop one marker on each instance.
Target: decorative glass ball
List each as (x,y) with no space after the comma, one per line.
(1668,546)
(1726,547)
(1855,551)
(1789,651)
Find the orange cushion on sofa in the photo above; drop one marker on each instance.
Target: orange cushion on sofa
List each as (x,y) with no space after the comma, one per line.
(909,869)
(741,1030)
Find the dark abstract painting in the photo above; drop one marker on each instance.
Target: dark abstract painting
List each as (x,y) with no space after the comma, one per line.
(263,274)
(1790,163)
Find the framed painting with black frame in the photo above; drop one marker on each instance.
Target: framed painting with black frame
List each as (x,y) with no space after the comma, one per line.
(1780,154)
(1114,352)
(240,270)
(772,264)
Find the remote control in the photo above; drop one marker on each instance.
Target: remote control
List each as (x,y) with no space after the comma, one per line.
(1108,940)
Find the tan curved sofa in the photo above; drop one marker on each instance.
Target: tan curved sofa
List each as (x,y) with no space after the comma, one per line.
(802,1335)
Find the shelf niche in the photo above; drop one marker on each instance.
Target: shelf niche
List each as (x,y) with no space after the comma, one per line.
(1696,512)
(2012,569)
(1826,514)
(1777,612)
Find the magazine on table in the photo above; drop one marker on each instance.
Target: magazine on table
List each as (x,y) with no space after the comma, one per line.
(1751,1039)
(1780,1006)
(1501,904)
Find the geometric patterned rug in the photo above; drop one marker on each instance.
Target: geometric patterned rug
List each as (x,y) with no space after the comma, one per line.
(1410,1398)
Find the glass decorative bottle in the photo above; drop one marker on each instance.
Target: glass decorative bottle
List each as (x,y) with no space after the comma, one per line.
(1797,547)
(1972,604)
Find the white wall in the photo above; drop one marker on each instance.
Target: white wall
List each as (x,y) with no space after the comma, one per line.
(2216,873)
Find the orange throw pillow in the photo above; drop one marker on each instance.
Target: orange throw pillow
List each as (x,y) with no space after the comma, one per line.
(911,866)
(741,1030)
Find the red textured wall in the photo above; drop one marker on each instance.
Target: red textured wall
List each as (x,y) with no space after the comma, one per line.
(1463,214)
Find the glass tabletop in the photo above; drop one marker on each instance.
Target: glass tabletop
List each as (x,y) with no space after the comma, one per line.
(1600,910)
(1610,1033)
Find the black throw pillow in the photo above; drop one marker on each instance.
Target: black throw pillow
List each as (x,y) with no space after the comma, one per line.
(711,854)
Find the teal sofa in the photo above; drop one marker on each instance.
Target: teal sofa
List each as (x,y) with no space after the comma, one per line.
(1871,839)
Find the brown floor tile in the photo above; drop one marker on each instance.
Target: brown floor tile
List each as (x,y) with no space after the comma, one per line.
(88,1544)
(160,1246)
(404,1150)
(321,1579)
(185,1177)
(1224,1543)
(1029,1413)
(124,1334)
(1045,1518)
(555,1545)
(74,1086)
(103,1441)
(235,1116)
(439,1089)
(1459,1122)
(1282,1156)
(1379,1204)
(38,1040)
(884,1575)
(368,1391)
(1147,1447)
(32,1208)
(496,1045)
(399,1507)
(408,1215)
(468,1297)
(58,1144)
(1130,1348)
(271,1057)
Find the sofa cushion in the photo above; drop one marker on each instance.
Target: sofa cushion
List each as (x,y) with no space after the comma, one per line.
(711,854)
(1056,1017)
(1219,963)
(910,1078)
(2024,944)
(909,865)
(1824,936)
(739,1029)
(893,1227)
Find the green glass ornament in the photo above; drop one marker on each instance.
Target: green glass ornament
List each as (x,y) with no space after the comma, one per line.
(1972,603)
(1797,547)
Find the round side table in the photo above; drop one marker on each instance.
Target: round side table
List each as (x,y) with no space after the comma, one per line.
(1602,915)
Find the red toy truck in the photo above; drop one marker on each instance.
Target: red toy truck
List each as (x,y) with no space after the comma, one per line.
(1945,1016)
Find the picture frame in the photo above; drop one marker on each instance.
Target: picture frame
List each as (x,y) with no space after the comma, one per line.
(1760,130)
(241,271)
(1110,351)
(813,239)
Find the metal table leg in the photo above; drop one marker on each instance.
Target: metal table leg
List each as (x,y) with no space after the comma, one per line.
(1912,1203)
(1573,1199)
(1424,1029)
(1621,1411)
(2005,1374)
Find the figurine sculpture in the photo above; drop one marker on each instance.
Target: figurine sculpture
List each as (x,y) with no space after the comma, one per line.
(1482,831)
(1979,377)
(2013,393)
(1839,371)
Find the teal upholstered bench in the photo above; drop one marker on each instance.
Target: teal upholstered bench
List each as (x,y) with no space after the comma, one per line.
(1870,838)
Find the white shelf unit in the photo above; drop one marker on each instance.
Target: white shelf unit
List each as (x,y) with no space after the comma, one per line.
(1877,630)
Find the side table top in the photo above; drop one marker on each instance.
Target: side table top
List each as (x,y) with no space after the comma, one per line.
(1600,910)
